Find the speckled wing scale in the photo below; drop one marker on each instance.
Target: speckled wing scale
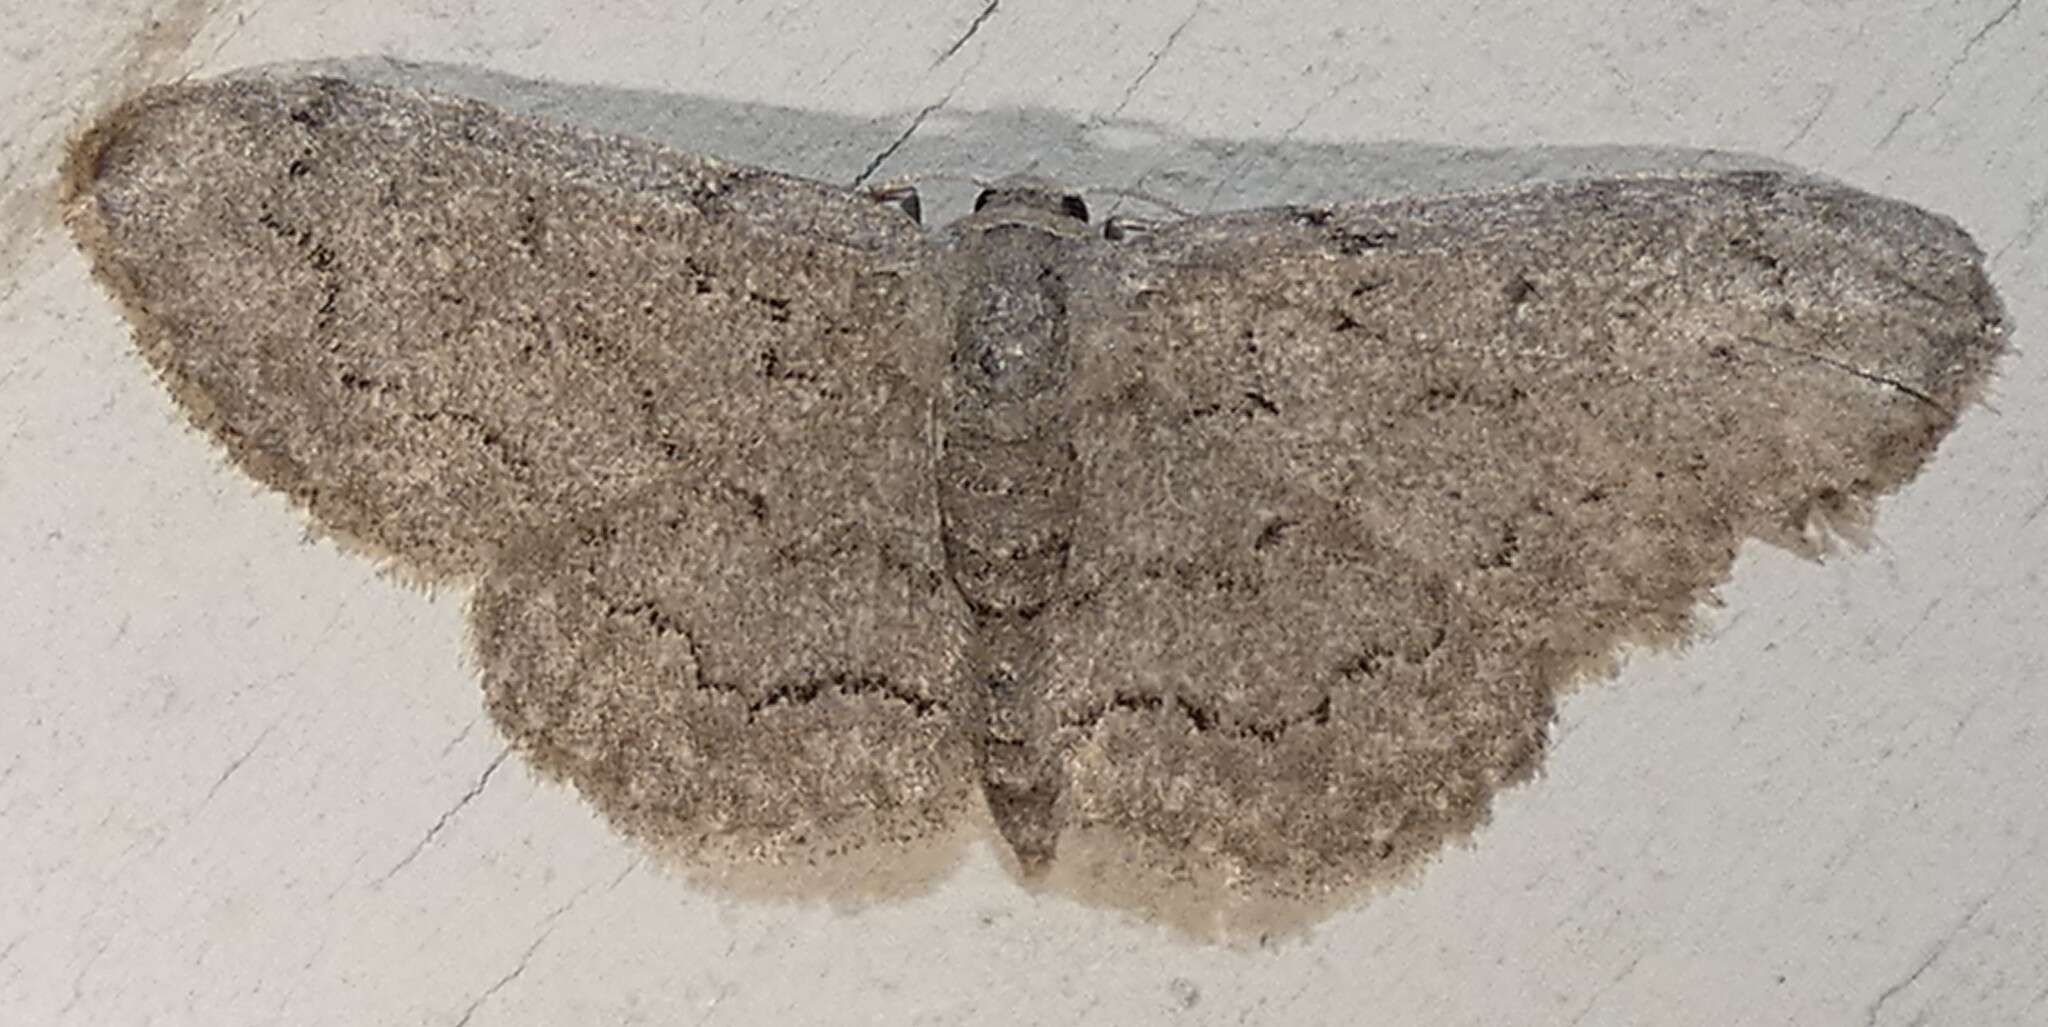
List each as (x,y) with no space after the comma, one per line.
(1363,488)
(1242,556)
(673,414)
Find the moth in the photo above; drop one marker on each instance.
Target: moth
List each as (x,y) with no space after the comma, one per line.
(1242,557)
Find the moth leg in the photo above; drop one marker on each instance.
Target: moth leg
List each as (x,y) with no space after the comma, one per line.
(1118,227)
(900,195)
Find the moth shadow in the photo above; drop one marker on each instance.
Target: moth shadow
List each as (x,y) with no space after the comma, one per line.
(1197,173)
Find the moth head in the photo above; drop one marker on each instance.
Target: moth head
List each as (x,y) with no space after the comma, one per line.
(1027,192)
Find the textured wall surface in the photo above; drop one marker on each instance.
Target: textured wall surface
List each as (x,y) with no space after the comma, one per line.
(244,778)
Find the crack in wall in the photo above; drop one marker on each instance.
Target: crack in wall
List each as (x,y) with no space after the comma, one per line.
(1131,90)
(1948,74)
(889,151)
(1933,956)
(972,28)
(236,764)
(547,927)
(442,822)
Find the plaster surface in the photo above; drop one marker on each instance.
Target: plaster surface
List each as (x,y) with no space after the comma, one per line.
(245,779)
